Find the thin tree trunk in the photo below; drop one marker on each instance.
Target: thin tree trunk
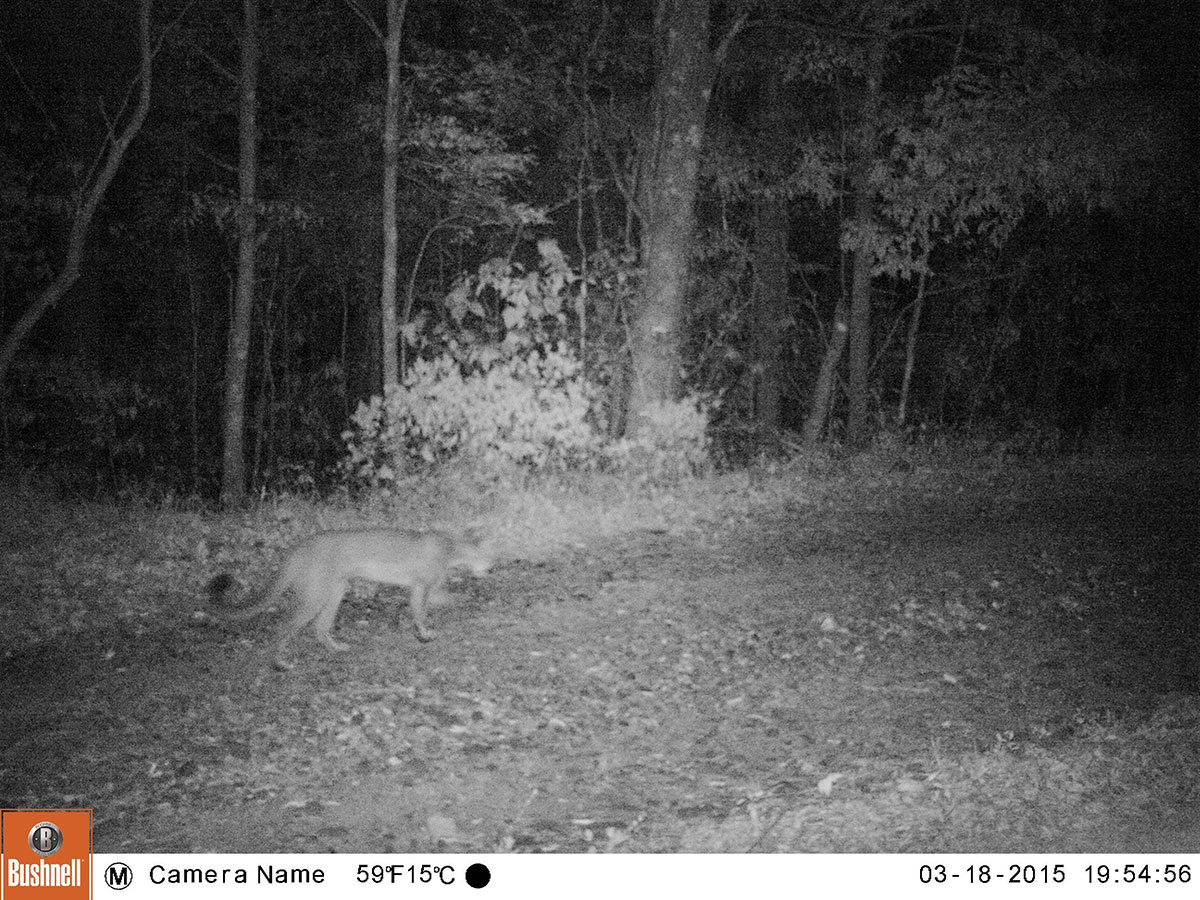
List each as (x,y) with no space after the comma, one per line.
(391,169)
(581,244)
(822,398)
(770,310)
(233,462)
(117,144)
(910,350)
(858,425)
(999,337)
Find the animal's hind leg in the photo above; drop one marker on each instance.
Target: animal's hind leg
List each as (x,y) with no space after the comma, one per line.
(420,599)
(298,619)
(309,600)
(332,592)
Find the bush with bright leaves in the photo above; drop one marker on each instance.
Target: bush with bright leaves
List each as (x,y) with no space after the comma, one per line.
(530,410)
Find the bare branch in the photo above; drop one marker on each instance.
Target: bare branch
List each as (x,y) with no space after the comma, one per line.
(366,20)
(215,64)
(31,95)
(116,146)
(723,47)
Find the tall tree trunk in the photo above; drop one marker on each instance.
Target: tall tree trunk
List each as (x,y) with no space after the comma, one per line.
(770,310)
(391,168)
(858,425)
(666,199)
(910,347)
(113,154)
(233,461)
(822,398)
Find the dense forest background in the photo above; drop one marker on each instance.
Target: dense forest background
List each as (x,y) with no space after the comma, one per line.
(920,216)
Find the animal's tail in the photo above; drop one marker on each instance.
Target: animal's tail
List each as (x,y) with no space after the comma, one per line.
(218,593)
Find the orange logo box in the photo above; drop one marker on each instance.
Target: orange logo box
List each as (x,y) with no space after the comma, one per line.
(46,854)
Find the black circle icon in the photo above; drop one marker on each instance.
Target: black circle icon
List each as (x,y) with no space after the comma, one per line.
(478,875)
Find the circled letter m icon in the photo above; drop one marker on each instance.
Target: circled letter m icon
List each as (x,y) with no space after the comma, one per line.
(118,876)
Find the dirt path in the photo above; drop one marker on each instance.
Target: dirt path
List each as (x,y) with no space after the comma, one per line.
(949,663)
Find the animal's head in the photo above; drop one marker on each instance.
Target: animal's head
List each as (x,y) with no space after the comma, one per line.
(477,555)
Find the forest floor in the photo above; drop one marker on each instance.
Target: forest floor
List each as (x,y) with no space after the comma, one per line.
(934,658)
